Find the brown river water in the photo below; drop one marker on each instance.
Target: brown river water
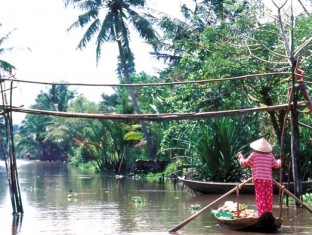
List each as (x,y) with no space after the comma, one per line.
(106,205)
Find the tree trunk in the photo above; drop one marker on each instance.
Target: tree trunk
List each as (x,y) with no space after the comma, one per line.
(135,102)
(295,138)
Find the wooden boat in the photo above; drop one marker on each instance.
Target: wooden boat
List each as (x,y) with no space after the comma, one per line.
(206,187)
(265,223)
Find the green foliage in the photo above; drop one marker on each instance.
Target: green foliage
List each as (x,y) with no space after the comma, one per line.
(171,169)
(236,48)
(133,135)
(217,142)
(72,196)
(138,201)
(43,137)
(193,208)
(58,97)
(307,197)
(306,148)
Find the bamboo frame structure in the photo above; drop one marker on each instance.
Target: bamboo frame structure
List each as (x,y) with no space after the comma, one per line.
(8,109)
(8,150)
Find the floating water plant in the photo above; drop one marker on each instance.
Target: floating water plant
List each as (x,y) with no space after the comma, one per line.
(138,200)
(71,196)
(307,197)
(31,189)
(194,207)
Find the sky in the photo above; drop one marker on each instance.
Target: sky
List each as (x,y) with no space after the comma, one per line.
(44,51)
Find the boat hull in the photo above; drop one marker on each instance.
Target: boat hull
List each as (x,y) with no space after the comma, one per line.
(221,188)
(265,223)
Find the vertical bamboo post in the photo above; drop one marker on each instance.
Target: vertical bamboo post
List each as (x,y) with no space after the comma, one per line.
(9,153)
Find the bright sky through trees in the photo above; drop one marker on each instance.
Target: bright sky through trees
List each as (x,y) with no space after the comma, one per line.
(52,55)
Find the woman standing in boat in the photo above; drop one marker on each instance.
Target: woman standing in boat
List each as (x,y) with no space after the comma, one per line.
(261,161)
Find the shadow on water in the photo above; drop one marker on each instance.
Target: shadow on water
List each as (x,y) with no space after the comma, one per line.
(61,200)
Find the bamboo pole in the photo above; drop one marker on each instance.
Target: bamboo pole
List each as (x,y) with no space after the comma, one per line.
(185,222)
(9,151)
(292,195)
(149,117)
(150,84)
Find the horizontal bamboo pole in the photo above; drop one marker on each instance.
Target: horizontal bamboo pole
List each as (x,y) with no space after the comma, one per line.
(148,117)
(151,84)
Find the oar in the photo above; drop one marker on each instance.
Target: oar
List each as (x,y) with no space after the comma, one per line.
(185,222)
(293,196)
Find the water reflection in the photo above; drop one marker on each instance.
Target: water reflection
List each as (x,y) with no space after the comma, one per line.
(105,205)
(17,224)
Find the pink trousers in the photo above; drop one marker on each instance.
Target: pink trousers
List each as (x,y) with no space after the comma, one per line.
(264,195)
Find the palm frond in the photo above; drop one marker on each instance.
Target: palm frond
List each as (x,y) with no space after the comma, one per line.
(6,37)
(71,2)
(106,34)
(90,5)
(87,37)
(133,135)
(6,66)
(137,2)
(143,26)
(84,19)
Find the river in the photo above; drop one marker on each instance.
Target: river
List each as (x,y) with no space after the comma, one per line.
(106,205)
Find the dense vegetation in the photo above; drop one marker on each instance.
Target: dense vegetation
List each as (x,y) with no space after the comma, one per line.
(216,40)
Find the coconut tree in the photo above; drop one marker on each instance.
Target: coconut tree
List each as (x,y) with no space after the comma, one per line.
(4,65)
(107,21)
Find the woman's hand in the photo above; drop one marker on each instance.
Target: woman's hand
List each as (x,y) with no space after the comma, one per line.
(279,162)
(239,155)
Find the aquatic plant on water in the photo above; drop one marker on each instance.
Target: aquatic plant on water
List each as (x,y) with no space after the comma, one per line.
(72,196)
(194,208)
(307,197)
(31,189)
(138,200)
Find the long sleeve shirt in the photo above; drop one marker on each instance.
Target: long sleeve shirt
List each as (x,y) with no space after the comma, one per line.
(261,164)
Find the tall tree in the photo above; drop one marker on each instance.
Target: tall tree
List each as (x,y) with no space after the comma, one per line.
(179,33)
(108,22)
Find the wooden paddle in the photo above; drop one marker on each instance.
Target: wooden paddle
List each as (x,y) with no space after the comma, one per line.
(292,195)
(185,222)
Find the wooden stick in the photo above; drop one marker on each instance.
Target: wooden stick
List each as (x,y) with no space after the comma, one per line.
(293,196)
(237,201)
(185,222)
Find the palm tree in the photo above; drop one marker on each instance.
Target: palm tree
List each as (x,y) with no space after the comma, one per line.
(4,65)
(58,97)
(108,20)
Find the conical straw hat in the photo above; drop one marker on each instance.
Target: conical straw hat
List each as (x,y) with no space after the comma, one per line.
(261,145)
